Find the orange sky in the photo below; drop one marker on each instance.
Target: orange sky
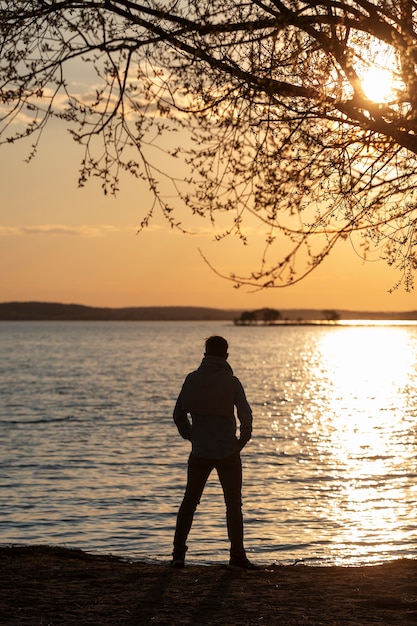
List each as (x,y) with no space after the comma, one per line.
(64,244)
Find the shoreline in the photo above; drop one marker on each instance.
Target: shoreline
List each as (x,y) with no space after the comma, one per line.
(59,311)
(59,586)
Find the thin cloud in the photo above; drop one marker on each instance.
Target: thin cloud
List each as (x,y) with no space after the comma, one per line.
(58,229)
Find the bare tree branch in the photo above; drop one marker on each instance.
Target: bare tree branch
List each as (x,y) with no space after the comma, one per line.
(268,101)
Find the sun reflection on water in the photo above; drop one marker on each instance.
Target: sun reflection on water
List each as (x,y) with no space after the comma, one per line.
(364,399)
(365,420)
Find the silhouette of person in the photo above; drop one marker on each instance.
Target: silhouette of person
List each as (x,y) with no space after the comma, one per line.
(209,396)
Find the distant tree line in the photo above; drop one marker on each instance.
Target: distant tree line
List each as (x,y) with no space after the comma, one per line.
(259,316)
(269,316)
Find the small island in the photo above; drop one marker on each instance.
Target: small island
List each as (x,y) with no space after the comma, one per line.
(273,317)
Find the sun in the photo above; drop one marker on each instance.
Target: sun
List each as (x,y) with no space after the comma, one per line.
(378,85)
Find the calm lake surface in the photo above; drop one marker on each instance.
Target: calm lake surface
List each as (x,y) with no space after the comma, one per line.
(90,457)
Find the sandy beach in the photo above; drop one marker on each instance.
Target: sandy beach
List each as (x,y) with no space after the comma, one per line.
(60,587)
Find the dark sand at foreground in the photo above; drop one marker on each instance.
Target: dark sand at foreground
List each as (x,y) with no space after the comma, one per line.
(47,586)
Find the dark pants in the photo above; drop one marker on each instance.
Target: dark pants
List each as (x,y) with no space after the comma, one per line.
(229,471)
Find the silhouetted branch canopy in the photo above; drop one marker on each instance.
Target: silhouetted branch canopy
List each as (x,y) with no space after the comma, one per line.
(263,102)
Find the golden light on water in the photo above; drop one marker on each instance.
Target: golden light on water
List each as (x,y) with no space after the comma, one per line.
(364,398)
(333,469)
(363,424)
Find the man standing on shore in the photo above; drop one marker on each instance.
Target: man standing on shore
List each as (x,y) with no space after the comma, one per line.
(209,395)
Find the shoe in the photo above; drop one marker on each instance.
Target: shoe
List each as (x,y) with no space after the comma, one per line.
(178,558)
(241,563)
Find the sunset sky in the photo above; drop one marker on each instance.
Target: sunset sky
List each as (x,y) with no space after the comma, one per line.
(64,244)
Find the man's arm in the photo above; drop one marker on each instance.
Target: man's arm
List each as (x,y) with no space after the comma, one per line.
(181,420)
(244,415)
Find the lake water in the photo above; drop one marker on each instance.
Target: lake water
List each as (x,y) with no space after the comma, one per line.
(90,457)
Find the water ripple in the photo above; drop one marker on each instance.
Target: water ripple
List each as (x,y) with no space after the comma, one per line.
(90,456)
